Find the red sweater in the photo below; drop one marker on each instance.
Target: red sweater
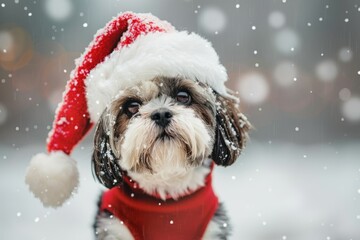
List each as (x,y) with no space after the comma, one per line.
(148,217)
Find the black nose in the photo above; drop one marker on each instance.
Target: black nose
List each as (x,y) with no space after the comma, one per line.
(162,117)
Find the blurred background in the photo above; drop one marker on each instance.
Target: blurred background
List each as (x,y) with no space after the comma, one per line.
(295,65)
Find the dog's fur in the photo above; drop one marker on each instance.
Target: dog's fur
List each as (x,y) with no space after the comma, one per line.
(170,160)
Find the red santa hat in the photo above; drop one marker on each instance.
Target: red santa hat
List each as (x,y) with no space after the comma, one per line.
(131,48)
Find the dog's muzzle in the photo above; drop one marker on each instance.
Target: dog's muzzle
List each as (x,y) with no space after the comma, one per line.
(162,117)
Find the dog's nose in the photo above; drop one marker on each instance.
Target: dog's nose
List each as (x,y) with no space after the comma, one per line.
(162,117)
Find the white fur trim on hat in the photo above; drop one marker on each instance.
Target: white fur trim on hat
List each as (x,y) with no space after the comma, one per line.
(170,54)
(52,178)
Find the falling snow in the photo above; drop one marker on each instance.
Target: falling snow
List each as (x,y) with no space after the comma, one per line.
(260,80)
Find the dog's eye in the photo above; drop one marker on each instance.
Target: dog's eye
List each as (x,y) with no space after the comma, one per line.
(132,107)
(183,97)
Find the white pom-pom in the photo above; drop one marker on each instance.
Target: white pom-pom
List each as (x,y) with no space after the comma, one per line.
(52,178)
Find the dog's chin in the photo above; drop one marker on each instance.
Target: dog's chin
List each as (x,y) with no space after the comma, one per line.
(166,169)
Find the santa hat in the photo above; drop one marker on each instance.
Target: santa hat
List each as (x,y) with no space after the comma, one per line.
(131,48)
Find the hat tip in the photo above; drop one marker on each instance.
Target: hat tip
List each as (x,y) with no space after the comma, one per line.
(52,178)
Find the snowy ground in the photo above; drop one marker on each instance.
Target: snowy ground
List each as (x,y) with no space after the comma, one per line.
(274,192)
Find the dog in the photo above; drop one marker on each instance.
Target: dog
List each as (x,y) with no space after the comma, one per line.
(164,118)
(155,146)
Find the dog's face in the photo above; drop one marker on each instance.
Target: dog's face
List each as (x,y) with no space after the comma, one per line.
(165,127)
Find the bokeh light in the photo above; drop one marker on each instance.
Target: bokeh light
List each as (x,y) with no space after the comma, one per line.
(327,71)
(212,19)
(253,88)
(286,41)
(3,114)
(58,10)
(276,19)
(344,94)
(16,48)
(6,41)
(285,73)
(345,54)
(351,109)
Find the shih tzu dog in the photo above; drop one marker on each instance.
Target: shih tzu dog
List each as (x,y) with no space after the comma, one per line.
(156,143)
(163,117)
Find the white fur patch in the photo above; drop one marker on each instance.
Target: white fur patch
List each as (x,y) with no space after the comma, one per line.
(175,181)
(52,178)
(171,54)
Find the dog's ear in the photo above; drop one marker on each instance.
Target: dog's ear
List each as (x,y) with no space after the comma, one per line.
(231,132)
(104,161)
